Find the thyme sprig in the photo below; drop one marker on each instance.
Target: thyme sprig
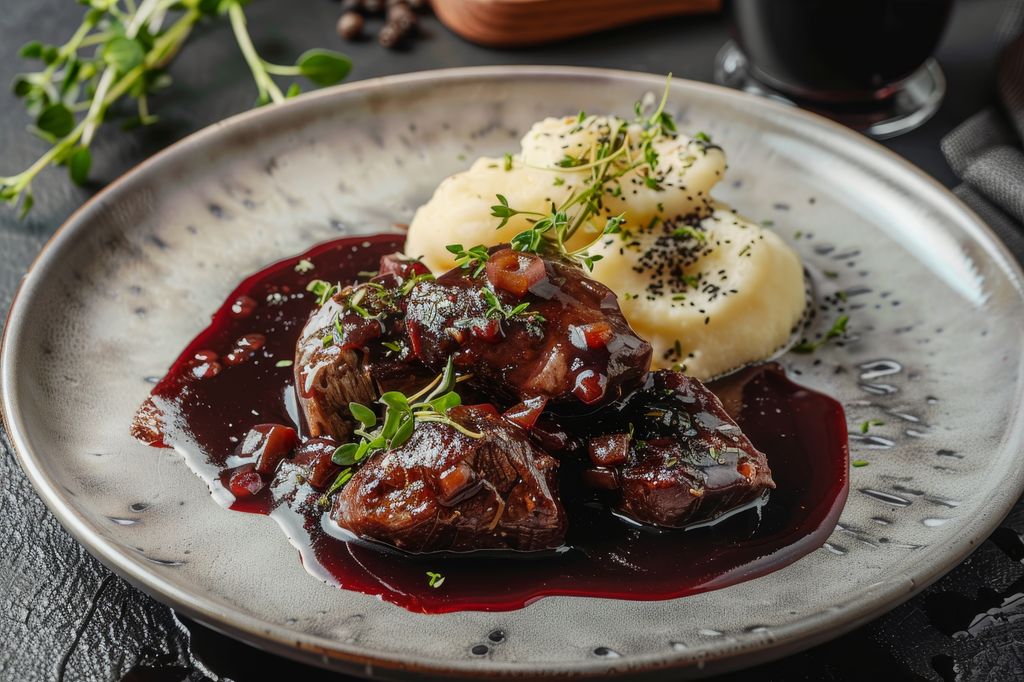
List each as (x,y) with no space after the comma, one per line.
(474,258)
(608,160)
(401,415)
(121,50)
(496,310)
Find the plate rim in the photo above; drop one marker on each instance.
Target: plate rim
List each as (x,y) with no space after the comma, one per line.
(326,652)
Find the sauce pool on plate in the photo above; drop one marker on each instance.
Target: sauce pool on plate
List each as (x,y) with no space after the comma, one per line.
(237,374)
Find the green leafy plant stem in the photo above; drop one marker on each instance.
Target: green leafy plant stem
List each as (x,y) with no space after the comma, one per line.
(71,94)
(110,89)
(267,88)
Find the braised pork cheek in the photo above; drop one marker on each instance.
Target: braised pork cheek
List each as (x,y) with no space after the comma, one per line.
(343,354)
(446,491)
(675,457)
(528,326)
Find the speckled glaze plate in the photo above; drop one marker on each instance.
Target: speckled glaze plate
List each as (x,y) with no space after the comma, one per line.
(935,353)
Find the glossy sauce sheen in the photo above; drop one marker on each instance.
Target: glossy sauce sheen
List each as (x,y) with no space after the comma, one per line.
(802,432)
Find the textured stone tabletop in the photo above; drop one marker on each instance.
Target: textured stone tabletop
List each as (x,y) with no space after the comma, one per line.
(64,616)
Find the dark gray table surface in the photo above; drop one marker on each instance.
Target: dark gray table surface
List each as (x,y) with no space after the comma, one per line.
(64,616)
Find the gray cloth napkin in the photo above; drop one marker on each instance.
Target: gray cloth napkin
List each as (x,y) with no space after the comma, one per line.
(985,151)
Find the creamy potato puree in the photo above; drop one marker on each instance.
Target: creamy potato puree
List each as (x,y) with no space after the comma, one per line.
(709,289)
(743,296)
(460,210)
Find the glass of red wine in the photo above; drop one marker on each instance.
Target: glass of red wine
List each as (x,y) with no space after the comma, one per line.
(864,63)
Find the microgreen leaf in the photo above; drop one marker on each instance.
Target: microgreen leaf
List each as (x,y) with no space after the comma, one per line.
(123,54)
(363,414)
(57,120)
(345,454)
(21,86)
(31,50)
(403,433)
(79,164)
(324,67)
(395,400)
(392,419)
(446,402)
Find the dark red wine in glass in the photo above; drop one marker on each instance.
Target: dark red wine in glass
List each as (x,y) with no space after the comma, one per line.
(866,63)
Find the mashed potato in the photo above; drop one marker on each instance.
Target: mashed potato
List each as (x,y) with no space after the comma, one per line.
(710,290)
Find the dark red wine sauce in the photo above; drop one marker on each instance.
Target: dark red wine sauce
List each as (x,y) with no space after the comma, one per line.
(220,387)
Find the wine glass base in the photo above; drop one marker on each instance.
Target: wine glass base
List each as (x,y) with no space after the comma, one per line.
(910,104)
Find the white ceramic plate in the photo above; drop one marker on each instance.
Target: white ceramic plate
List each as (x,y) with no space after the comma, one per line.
(936,315)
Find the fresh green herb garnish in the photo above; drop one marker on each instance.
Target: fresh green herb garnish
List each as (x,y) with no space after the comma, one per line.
(508,161)
(353,301)
(340,480)
(120,51)
(304,266)
(323,290)
(838,329)
(401,415)
(866,425)
(687,231)
(474,258)
(497,311)
(859,463)
(614,224)
(409,284)
(283,363)
(435,580)
(608,159)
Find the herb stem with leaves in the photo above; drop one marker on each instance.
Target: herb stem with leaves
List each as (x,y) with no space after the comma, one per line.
(119,51)
(401,415)
(608,160)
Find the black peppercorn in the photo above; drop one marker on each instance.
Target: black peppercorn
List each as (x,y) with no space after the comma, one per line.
(390,35)
(350,25)
(402,16)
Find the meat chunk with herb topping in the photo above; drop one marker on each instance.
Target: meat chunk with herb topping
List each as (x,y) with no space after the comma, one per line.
(528,326)
(343,354)
(675,457)
(328,376)
(443,490)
